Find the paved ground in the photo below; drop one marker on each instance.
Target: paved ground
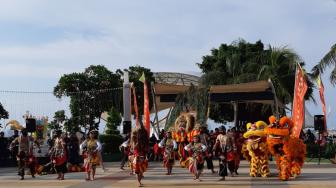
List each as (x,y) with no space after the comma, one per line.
(313,175)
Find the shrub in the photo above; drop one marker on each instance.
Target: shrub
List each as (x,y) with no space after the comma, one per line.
(111,143)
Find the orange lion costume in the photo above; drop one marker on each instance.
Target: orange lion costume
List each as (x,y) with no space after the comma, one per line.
(288,151)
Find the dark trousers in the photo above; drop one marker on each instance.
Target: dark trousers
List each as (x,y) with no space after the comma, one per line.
(22,165)
(209,163)
(124,159)
(222,168)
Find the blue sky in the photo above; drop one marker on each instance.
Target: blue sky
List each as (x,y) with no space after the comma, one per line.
(40,40)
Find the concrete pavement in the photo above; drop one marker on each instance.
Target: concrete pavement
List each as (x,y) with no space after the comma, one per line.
(313,175)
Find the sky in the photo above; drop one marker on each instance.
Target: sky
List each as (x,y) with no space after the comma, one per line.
(40,40)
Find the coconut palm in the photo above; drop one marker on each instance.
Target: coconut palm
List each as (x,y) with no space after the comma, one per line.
(328,60)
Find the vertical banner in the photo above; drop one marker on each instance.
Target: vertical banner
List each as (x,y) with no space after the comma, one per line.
(146,104)
(321,91)
(135,105)
(298,109)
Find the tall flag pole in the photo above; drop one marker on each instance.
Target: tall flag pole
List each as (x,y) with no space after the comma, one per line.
(146,104)
(321,91)
(135,105)
(298,111)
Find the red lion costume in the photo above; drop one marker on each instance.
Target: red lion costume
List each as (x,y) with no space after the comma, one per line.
(289,151)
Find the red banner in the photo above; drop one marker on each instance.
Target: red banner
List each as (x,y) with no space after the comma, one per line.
(146,109)
(298,109)
(321,91)
(135,105)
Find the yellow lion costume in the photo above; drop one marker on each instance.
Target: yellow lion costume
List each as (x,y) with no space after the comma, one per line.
(255,149)
(288,151)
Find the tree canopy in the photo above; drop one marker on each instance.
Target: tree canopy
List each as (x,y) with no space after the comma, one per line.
(91,93)
(241,62)
(3,112)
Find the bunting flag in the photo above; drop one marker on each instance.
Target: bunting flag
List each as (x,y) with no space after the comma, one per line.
(321,91)
(146,104)
(298,109)
(135,105)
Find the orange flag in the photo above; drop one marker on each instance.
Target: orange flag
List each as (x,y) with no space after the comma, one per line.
(146,105)
(298,110)
(135,105)
(321,91)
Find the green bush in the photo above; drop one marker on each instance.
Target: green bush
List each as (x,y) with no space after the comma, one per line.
(111,143)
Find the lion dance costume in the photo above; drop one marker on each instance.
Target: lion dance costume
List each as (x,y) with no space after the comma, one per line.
(289,151)
(255,149)
(184,125)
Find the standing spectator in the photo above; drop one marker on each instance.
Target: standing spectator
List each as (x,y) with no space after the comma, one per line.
(125,149)
(4,153)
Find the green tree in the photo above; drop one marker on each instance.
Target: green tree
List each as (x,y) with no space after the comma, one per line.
(328,60)
(59,119)
(113,121)
(242,62)
(90,94)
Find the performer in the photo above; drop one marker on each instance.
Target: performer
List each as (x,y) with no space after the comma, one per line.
(220,150)
(289,152)
(180,136)
(255,149)
(59,157)
(25,155)
(205,139)
(91,146)
(169,145)
(196,162)
(139,144)
(231,152)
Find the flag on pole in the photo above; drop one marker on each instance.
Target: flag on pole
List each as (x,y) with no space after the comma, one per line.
(135,105)
(146,104)
(321,91)
(298,109)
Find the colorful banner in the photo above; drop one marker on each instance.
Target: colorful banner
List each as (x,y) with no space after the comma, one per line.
(321,91)
(146,104)
(298,109)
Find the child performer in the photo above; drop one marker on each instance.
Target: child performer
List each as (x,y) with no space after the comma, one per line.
(169,155)
(196,163)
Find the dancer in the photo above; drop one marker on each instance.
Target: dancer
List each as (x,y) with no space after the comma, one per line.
(220,150)
(255,149)
(91,146)
(231,152)
(205,139)
(196,162)
(59,156)
(25,155)
(139,144)
(169,155)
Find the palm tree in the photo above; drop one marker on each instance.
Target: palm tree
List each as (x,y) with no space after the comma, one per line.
(279,65)
(328,60)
